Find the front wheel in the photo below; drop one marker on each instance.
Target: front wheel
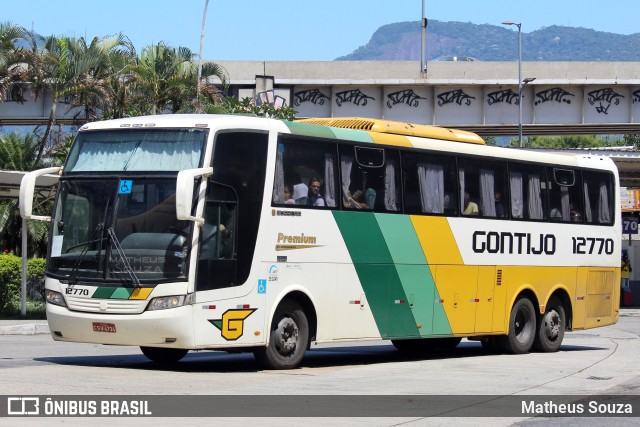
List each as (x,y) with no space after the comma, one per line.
(522,328)
(551,326)
(288,339)
(164,355)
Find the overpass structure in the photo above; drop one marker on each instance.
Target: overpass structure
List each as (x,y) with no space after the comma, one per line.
(564,98)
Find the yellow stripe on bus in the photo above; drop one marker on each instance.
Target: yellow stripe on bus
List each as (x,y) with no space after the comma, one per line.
(389,139)
(141,293)
(436,239)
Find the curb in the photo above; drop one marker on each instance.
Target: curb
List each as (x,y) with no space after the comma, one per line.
(26,329)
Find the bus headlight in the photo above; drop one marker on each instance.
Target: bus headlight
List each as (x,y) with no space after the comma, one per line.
(162,303)
(56,298)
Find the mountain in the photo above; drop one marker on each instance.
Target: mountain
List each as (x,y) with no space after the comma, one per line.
(401,41)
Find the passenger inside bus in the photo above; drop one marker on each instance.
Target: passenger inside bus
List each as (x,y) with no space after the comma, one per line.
(287,195)
(314,198)
(470,208)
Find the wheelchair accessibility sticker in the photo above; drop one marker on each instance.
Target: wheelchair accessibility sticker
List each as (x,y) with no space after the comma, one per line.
(262,286)
(125,186)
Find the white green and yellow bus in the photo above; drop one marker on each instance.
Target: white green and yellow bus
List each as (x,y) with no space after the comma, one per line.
(214,232)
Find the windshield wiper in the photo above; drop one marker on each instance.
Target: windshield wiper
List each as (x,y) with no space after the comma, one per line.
(116,244)
(73,275)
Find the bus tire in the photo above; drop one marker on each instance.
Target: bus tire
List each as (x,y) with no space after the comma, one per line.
(522,328)
(551,327)
(288,338)
(164,355)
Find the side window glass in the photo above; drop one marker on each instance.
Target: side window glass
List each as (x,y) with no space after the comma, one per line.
(598,198)
(430,184)
(528,192)
(370,179)
(482,188)
(218,231)
(305,174)
(565,196)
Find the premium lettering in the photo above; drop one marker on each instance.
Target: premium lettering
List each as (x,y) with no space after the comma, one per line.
(300,238)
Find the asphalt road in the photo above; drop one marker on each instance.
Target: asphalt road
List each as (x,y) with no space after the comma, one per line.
(599,361)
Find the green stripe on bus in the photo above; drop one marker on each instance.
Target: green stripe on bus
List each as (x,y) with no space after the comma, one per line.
(310,130)
(103,292)
(352,135)
(414,272)
(122,293)
(112,293)
(378,275)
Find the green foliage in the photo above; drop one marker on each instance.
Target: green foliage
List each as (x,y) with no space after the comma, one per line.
(11,278)
(567,142)
(490,140)
(632,139)
(231,105)
(36,268)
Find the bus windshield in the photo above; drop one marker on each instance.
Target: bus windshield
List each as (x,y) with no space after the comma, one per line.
(111,229)
(158,150)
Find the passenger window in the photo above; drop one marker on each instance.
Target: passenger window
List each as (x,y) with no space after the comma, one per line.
(305,174)
(430,184)
(528,192)
(565,196)
(482,185)
(370,179)
(598,198)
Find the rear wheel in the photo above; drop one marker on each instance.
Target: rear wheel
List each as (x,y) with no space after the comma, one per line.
(288,338)
(164,355)
(522,328)
(551,326)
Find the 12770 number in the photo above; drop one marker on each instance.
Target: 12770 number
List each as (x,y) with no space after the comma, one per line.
(592,245)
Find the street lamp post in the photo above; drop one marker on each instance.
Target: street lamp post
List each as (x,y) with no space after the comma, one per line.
(204,20)
(520,85)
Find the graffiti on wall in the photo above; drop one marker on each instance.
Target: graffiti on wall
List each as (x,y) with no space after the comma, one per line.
(603,98)
(407,96)
(507,95)
(636,96)
(556,94)
(458,96)
(314,96)
(354,96)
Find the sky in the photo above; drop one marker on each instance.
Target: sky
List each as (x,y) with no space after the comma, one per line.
(296,30)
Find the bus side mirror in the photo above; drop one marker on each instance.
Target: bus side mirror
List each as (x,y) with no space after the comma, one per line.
(27,188)
(184,192)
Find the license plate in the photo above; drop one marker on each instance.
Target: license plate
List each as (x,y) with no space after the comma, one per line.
(104,327)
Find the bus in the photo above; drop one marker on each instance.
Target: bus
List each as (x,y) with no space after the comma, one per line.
(219,232)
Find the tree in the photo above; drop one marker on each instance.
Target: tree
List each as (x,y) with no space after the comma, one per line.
(17,153)
(632,139)
(166,79)
(561,142)
(98,86)
(11,72)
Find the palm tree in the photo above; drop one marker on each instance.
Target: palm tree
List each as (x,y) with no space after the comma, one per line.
(11,72)
(166,78)
(55,72)
(98,87)
(16,153)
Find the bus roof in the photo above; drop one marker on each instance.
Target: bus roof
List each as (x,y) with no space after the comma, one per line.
(397,128)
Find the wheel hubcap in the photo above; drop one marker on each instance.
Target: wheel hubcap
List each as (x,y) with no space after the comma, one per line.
(552,324)
(286,335)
